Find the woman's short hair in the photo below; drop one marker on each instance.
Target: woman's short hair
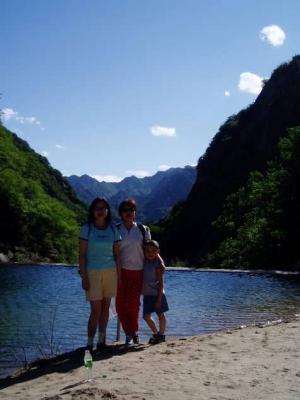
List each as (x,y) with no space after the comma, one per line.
(129,203)
(91,212)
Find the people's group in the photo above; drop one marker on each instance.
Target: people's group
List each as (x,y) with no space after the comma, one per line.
(122,261)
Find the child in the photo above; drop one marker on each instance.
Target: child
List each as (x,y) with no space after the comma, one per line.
(153,291)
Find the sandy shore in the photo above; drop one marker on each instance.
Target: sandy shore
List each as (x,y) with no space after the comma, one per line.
(252,363)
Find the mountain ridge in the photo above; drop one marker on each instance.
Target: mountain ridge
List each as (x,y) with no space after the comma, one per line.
(177,180)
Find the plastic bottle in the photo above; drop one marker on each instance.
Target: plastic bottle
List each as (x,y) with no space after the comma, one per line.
(88,363)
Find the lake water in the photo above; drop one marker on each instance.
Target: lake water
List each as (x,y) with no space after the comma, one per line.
(43,309)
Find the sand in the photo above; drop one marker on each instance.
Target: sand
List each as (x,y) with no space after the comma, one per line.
(251,363)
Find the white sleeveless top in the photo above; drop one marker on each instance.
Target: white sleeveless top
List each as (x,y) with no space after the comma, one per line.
(131,247)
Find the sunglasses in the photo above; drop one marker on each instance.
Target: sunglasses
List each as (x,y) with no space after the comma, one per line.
(125,210)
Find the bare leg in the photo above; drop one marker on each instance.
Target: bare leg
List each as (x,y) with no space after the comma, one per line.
(162,323)
(94,317)
(150,323)
(104,314)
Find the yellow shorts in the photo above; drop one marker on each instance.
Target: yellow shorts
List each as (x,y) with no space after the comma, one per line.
(103,284)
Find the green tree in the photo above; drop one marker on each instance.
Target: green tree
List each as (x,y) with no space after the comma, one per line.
(259,222)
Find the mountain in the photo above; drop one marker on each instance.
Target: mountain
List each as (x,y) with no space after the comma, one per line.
(259,224)
(155,195)
(171,189)
(39,212)
(87,188)
(244,144)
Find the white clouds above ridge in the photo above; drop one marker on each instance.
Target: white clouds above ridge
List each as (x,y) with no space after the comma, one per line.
(273,34)
(9,114)
(163,167)
(250,83)
(163,131)
(139,173)
(107,178)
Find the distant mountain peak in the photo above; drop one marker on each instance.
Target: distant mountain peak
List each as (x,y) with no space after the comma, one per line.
(178,182)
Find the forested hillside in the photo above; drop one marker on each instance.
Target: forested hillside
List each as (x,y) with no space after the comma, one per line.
(39,212)
(245,143)
(259,225)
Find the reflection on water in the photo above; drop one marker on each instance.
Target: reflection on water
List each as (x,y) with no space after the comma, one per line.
(43,309)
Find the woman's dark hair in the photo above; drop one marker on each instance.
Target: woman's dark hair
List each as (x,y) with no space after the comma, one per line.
(91,213)
(129,203)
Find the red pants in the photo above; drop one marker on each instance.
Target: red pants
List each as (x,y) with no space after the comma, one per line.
(128,300)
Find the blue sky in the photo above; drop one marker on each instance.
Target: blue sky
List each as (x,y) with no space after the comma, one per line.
(120,87)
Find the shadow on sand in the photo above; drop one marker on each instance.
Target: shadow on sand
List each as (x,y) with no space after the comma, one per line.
(65,363)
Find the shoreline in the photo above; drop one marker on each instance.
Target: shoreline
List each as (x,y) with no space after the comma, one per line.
(21,371)
(184,269)
(262,359)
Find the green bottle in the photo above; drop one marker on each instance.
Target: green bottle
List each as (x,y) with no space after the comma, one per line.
(88,363)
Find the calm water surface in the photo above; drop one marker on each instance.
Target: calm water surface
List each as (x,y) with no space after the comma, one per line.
(43,309)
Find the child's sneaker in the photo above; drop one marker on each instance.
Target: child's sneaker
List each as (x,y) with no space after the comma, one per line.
(153,339)
(157,338)
(161,338)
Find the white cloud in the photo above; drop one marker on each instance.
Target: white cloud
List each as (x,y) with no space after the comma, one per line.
(20,119)
(114,178)
(59,146)
(250,83)
(45,153)
(163,131)
(32,120)
(28,120)
(10,114)
(139,173)
(273,34)
(107,178)
(226,93)
(163,167)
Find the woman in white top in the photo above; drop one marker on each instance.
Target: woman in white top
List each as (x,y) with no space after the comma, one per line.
(131,260)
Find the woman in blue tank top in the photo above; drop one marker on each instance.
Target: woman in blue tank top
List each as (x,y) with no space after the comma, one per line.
(98,265)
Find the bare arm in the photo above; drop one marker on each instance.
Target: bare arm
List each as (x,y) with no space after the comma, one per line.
(162,264)
(160,278)
(82,264)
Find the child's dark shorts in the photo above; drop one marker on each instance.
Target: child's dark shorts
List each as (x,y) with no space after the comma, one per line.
(149,302)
